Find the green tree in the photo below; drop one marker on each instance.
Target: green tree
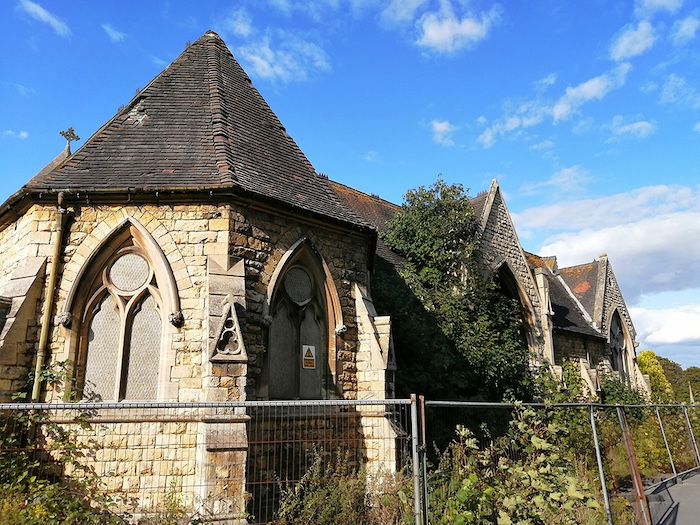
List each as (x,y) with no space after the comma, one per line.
(691,377)
(674,373)
(463,338)
(661,390)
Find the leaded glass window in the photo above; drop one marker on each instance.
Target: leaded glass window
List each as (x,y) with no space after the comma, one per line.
(122,335)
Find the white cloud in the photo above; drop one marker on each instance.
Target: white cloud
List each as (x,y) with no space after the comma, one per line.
(23,90)
(543,83)
(544,145)
(650,235)
(9,133)
(239,23)
(685,30)
(42,15)
(594,89)
(632,42)
(114,35)
(399,11)
(533,112)
(290,60)
(640,129)
(370,156)
(645,8)
(444,32)
(667,326)
(527,115)
(158,61)
(442,131)
(676,90)
(651,255)
(566,180)
(613,210)
(696,127)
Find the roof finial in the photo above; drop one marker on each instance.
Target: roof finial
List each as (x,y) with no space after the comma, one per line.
(69,136)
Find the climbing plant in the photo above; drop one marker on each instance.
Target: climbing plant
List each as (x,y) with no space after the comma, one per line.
(457,335)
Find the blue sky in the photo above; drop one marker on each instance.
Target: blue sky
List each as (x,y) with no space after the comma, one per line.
(587,112)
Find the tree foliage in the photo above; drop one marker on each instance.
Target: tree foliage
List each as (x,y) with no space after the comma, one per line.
(681,380)
(456,334)
(661,390)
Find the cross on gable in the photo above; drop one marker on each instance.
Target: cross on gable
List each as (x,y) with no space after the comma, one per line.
(70,136)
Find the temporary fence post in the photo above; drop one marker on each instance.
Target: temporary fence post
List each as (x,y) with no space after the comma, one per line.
(423,457)
(692,436)
(416,464)
(639,496)
(601,473)
(668,449)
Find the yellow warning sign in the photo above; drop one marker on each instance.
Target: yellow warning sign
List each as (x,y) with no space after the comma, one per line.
(309,357)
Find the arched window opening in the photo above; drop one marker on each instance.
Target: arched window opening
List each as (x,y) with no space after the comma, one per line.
(507,286)
(618,347)
(298,337)
(305,321)
(120,335)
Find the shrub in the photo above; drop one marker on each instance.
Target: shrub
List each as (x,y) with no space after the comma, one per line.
(522,477)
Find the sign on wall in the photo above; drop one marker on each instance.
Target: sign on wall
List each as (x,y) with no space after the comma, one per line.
(308,357)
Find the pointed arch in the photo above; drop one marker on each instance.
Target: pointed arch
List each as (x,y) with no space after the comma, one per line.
(121,309)
(304,313)
(511,287)
(619,345)
(129,230)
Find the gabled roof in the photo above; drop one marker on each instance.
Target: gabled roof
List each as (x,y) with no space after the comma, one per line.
(583,282)
(198,126)
(568,315)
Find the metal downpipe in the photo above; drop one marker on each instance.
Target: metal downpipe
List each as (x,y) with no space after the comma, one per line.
(49,302)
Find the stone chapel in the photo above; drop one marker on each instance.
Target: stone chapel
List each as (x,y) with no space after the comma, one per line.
(191,223)
(189,252)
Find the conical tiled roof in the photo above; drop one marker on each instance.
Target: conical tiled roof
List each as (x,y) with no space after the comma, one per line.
(200,125)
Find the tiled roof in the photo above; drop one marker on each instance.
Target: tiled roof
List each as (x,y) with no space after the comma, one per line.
(377,212)
(198,126)
(583,282)
(567,314)
(478,203)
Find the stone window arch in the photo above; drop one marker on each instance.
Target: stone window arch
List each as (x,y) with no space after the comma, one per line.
(304,316)
(121,314)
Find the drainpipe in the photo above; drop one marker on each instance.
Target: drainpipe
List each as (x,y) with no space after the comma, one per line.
(50,292)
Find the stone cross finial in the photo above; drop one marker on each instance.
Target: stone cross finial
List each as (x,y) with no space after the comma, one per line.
(70,136)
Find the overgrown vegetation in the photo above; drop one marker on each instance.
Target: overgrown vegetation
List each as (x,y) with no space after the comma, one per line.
(521,477)
(333,491)
(524,476)
(457,336)
(34,455)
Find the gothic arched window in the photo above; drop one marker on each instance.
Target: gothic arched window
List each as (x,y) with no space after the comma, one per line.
(618,347)
(120,337)
(298,338)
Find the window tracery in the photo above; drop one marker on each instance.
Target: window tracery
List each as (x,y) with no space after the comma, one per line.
(121,330)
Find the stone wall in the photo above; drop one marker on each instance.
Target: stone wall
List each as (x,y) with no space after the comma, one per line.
(25,246)
(498,244)
(571,347)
